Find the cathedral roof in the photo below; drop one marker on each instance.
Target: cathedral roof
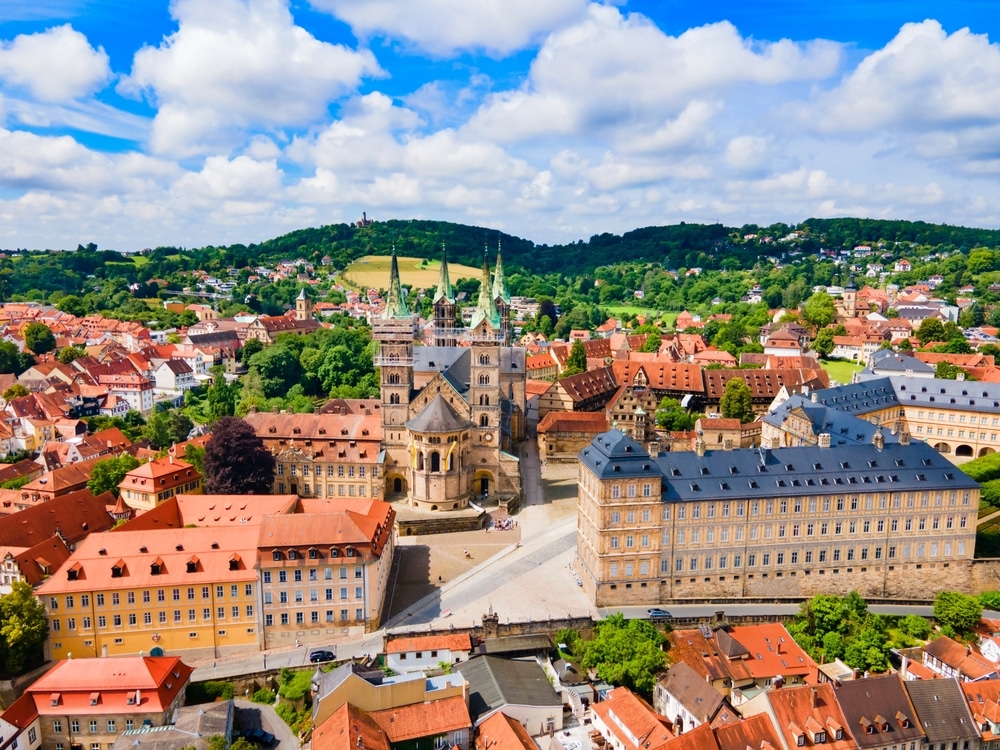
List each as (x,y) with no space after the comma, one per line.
(486,308)
(395,305)
(499,282)
(444,291)
(438,416)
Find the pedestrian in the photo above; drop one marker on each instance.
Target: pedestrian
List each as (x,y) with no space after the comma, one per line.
(296,643)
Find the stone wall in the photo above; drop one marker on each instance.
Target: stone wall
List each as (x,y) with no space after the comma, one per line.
(443,525)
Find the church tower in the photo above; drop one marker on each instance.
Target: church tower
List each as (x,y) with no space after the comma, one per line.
(851,299)
(395,331)
(303,306)
(501,298)
(484,376)
(444,306)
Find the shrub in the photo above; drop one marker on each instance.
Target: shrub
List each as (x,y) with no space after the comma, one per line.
(295,685)
(264,696)
(207,692)
(916,626)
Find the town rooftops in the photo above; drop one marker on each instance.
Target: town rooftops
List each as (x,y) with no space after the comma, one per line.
(860,398)
(455,642)
(843,427)
(429,718)
(879,711)
(74,516)
(349,728)
(505,733)
(970,664)
(632,721)
(348,526)
(495,683)
(943,711)
(211,510)
(692,691)
(573,421)
(358,426)
(811,711)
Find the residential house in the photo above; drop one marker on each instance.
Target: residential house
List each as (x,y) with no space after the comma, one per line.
(325,569)
(562,435)
(626,722)
(807,715)
(193,729)
(149,484)
(189,591)
(948,658)
(501,732)
(173,377)
(32,565)
(519,689)
(90,701)
(879,712)
(429,652)
(944,713)
(443,724)
(686,698)
(349,728)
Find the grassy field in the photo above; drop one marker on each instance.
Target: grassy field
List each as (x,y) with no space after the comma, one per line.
(842,372)
(619,310)
(372,271)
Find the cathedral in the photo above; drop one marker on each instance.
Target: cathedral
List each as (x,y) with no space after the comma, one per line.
(452,411)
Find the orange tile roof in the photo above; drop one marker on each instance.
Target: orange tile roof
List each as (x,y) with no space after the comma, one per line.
(772,651)
(456,642)
(500,732)
(752,732)
(211,549)
(429,718)
(211,510)
(626,716)
(699,738)
(74,515)
(168,470)
(537,387)
(349,728)
(365,530)
(40,561)
(795,708)
(63,480)
(662,376)
(316,426)
(573,421)
(73,685)
(984,703)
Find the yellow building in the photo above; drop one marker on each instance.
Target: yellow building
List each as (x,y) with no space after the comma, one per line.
(148,485)
(188,591)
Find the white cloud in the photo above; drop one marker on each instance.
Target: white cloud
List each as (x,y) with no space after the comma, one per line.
(54,65)
(445,26)
(234,65)
(239,179)
(617,75)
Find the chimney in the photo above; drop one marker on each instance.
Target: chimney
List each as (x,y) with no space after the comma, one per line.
(814,397)
(824,440)
(813,694)
(904,437)
(878,439)
(960,377)
(699,447)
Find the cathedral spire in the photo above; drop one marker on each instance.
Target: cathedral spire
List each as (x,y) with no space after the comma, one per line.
(499,282)
(486,308)
(444,281)
(395,305)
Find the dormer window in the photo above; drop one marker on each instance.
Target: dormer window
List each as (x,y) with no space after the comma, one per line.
(800,740)
(313,553)
(276,555)
(334,552)
(117,569)
(292,554)
(155,568)
(350,551)
(838,735)
(234,562)
(820,737)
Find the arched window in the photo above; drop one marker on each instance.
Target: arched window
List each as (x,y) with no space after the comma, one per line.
(393,378)
(435,461)
(451,462)
(420,462)
(484,421)
(393,398)
(484,359)
(484,400)
(484,379)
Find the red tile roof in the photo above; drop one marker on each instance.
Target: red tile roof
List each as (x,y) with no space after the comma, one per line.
(429,718)
(573,421)
(456,642)
(211,510)
(809,709)
(500,732)
(349,728)
(363,527)
(627,716)
(74,515)
(752,732)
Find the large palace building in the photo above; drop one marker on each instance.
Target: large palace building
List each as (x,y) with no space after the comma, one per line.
(451,412)
(890,520)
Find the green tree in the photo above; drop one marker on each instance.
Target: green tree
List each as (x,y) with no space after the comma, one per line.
(670,415)
(737,401)
(577,360)
(833,645)
(626,652)
(823,343)
(164,428)
(915,625)
(930,329)
(15,391)
(39,338)
(195,455)
(652,343)
(947,371)
(12,359)
(236,461)
(70,353)
(221,395)
(278,367)
(250,348)
(73,305)
(959,611)
(108,474)
(869,649)
(23,628)
(819,310)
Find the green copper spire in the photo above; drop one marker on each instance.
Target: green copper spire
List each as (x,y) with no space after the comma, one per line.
(486,309)
(395,305)
(499,282)
(444,282)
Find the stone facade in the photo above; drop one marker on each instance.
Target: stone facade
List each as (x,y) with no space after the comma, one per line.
(890,521)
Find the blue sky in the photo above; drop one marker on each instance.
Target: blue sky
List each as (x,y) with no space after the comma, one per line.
(137,123)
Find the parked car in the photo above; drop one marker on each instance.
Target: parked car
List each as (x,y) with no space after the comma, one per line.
(320,655)
(657,614)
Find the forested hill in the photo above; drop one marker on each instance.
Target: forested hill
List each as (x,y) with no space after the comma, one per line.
(674,246)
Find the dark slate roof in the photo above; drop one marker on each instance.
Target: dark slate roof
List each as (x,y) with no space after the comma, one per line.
(495,683)
(883,697)
(615,454)
(762,473)
(955,394)
(843,428)
(438,416)
(943,711)
(435,358)
(459,373)
(859,398)
(888,362)
(692,691)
